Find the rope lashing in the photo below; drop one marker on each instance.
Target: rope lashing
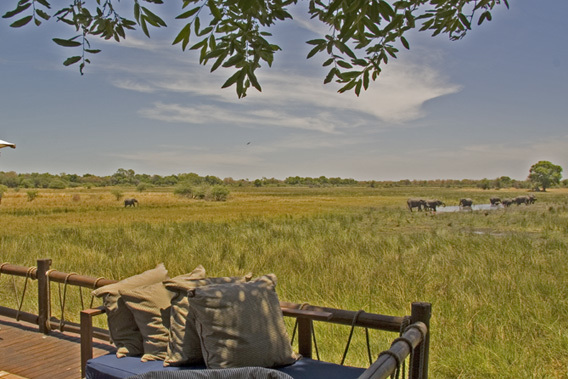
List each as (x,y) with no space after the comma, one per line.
(396,373)
(28,273)
(63,299)
(403,325)
(94,287)
(313,332)
(353,325)
(423,339)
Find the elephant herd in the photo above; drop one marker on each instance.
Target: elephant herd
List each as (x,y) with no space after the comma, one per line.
(430,205)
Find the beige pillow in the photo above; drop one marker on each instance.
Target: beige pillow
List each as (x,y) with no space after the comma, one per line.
(150,306)
(184,347)
(241,324)
(122,326)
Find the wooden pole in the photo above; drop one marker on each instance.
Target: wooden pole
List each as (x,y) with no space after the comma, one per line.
(419,364)
(44,312)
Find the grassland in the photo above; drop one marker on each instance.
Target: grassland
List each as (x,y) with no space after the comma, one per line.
(497,279)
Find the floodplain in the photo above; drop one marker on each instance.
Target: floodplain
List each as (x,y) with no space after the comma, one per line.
(496,279)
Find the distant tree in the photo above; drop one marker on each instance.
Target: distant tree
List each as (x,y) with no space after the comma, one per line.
(32,194)
(118,194)
(57,184)
(219,193)
(361,37)
(3,190)
(545,174)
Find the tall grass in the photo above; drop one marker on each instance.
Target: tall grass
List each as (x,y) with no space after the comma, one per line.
(497,280)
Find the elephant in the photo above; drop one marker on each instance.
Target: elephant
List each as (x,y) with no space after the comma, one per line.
(432,204)
(495,201)
(466,203)
(416,203)
(532,199)
(507,202)
(522,200)
(130,203)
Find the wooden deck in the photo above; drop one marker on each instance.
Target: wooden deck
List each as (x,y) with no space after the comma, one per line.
(27,353)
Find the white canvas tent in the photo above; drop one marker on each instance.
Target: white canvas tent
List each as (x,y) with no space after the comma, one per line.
(7,144)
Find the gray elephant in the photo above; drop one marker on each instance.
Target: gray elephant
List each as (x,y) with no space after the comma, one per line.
(522,200)
(495,201)
(532,199)
(416,203)
(507,202)
(130,203)
(432,204)
(466,203)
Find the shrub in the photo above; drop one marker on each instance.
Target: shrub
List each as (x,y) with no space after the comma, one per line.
(57,184)
(117,193)
(219,193)
(32,194)
(143,187)
(184,189)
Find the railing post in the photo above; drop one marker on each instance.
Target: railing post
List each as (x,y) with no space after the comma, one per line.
(43,298)
(419,364)
(305,337)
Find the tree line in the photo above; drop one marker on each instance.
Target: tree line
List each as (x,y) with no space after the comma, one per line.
(129,178)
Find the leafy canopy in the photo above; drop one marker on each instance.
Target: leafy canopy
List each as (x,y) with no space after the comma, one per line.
(545,174)
(363,34)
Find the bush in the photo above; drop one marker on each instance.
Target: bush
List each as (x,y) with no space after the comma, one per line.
(57,184)
(200,192)
(184,189)
(143,187)
(32,194)
(117,193)
(219,193)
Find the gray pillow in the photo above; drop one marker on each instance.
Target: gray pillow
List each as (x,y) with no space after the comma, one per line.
(122,327)
(241,324)
(184,347)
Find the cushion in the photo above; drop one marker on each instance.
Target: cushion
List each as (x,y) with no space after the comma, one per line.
(184,346)
(122,326)
(241,324)
(150,306)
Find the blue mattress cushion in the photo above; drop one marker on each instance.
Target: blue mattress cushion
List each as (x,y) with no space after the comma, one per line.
(110,367)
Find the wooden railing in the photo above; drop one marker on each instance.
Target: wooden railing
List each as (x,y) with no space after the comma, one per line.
(414,340)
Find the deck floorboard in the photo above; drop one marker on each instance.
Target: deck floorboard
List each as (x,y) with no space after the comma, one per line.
(27,353)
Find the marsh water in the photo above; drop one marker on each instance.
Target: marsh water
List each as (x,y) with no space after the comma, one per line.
(474,207)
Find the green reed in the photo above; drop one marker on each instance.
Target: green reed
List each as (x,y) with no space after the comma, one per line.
(497,279)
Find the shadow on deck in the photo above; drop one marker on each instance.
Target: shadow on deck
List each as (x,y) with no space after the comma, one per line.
(26,352)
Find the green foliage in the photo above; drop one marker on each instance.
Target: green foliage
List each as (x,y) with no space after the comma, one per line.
(32,194)
(545,174)
(3,190)
(117,193)
(219,193)
(363,34)
(143,187)
(57,184)
(184,190)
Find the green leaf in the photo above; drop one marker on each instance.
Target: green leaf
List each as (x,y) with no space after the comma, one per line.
(344,64)
(66,42)
(21,22)
(16,11)
(93,51)
(314,51)
(233,79)
(189,13)
(42,14)
(44,3)
(404,42)
(183,35)
(69,61)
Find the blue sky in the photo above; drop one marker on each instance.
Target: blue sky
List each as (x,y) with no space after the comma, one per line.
(489,105)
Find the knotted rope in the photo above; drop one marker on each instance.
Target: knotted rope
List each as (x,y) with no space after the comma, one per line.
(353,324)
(313,332)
